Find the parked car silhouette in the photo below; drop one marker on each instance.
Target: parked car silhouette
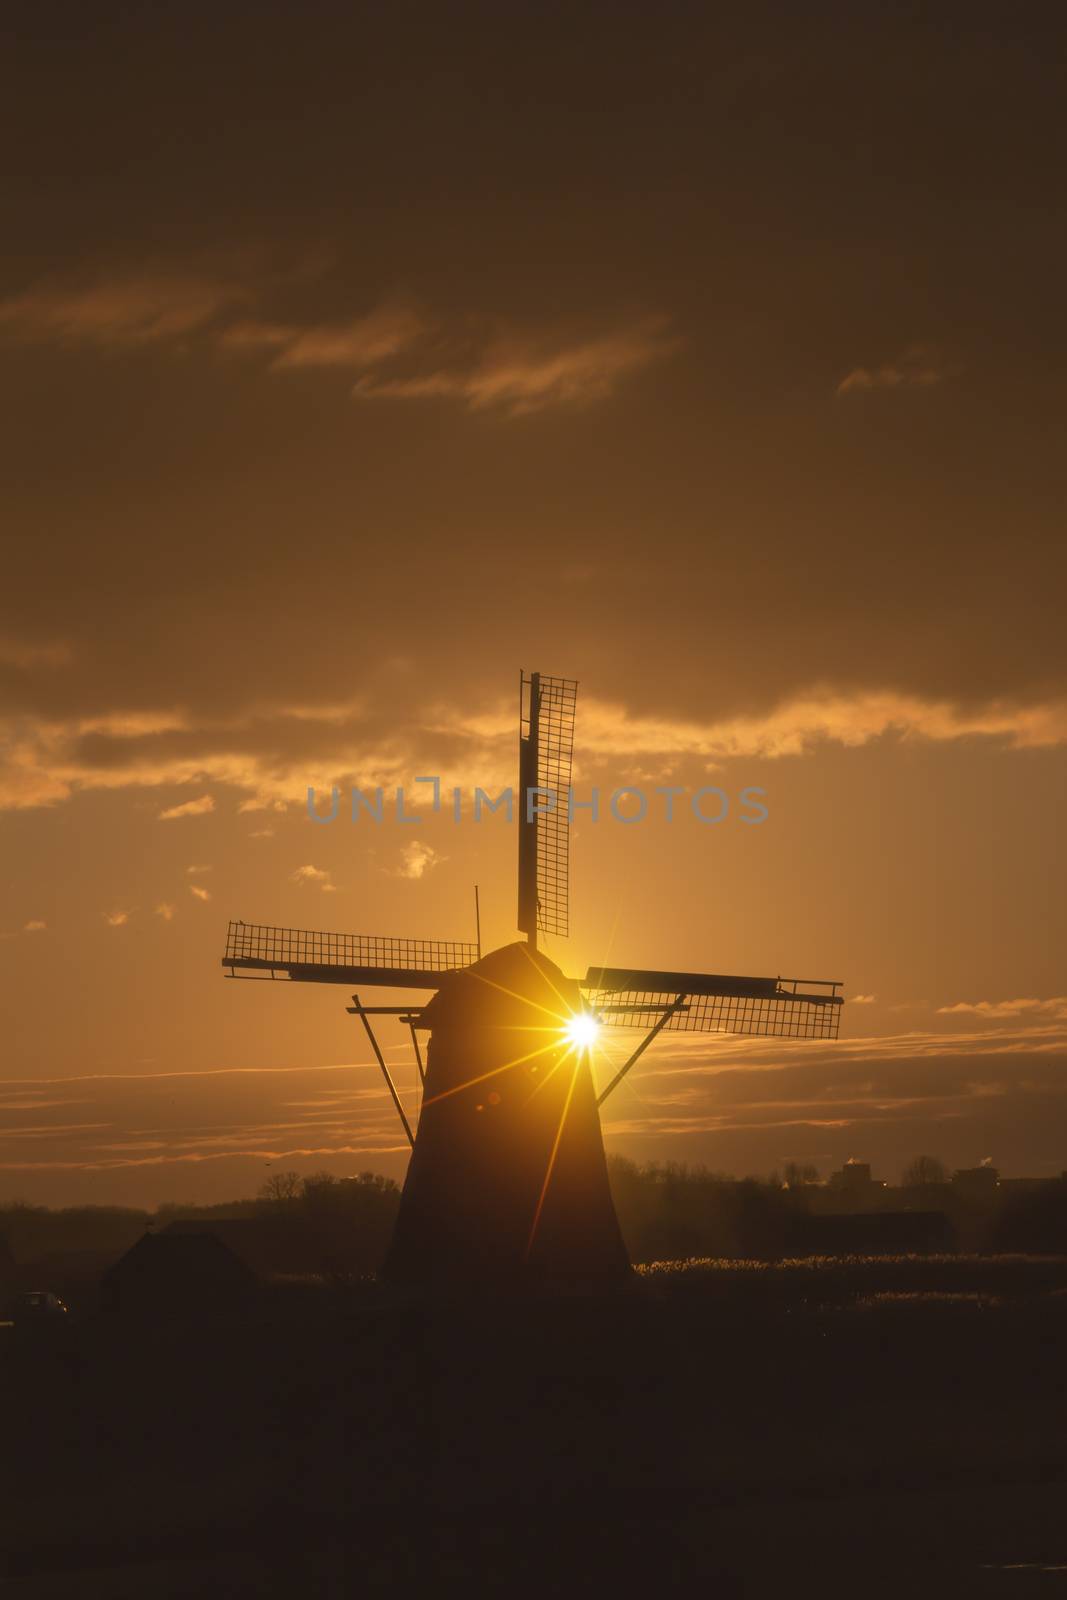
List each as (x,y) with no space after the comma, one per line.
(34,1305)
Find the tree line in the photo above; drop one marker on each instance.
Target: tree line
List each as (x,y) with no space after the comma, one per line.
(320,1223)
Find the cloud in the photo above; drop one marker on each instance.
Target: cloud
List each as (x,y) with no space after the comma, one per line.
(995,1010)
(125,310)
(359,343)
(235,1119)
(466,358)
(862,1000)
(799,724)
(524,373)
(417,859)
(116,919)
(165,910)
(198,892)
(190,808)
(273,758)
(319,876)
(722,1100)
(880,1094)
(197,871)
(262,833)
(36,926)
(917,367)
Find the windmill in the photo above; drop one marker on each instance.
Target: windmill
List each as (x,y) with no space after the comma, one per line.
(507,1177)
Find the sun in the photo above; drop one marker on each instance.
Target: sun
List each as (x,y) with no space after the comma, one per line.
(582,1030)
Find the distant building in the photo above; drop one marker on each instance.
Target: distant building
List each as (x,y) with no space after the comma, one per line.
(854,1185)
(260,1242)
(177,1274)
(976,1183)
(853,1175)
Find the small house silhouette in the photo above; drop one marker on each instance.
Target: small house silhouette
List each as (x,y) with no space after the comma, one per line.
(177,1273)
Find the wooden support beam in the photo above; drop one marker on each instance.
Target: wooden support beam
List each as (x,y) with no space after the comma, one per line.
(364,1014)
(678,1005)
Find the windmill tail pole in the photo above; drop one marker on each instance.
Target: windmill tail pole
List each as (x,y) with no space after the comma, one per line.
(642,1047)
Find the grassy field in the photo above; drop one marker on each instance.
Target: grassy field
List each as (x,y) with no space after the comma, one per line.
(863,1422)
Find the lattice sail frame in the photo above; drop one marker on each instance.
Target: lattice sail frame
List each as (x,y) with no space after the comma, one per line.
(547,709)
(780,1008)
(313,955)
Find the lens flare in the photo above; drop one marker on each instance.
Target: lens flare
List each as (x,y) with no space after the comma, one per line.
(582,1030)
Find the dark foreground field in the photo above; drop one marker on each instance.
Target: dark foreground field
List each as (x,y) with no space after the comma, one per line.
(862,1426)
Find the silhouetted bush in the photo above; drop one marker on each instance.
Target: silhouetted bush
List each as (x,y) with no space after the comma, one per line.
(670,1211)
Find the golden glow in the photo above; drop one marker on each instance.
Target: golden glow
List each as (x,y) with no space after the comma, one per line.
(582,1030)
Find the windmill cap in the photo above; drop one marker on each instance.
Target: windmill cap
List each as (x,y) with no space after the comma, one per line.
(513,985)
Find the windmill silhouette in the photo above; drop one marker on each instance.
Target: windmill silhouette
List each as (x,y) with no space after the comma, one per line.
(507,1177)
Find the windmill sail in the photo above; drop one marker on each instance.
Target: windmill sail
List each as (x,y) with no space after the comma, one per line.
(546,747)
(255,949)
(781,1008)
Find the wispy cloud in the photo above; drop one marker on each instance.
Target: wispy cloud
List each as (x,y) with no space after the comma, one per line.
(265,802)
(198,892)
(417,859)
(189,808)
(238,1119)
(996,1010)
(890,1088)
(523,373)
(197,871)
(728,1095)
(37,925)
(919,366)
(320,877)
(165,910)
(862,1000)
(129,310)
(116,919)
(362,342)
(395,349)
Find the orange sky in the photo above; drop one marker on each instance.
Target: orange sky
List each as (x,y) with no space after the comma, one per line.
(349,365)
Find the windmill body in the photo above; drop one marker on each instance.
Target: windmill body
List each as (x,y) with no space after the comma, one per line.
(507,1179)
(507,1174)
